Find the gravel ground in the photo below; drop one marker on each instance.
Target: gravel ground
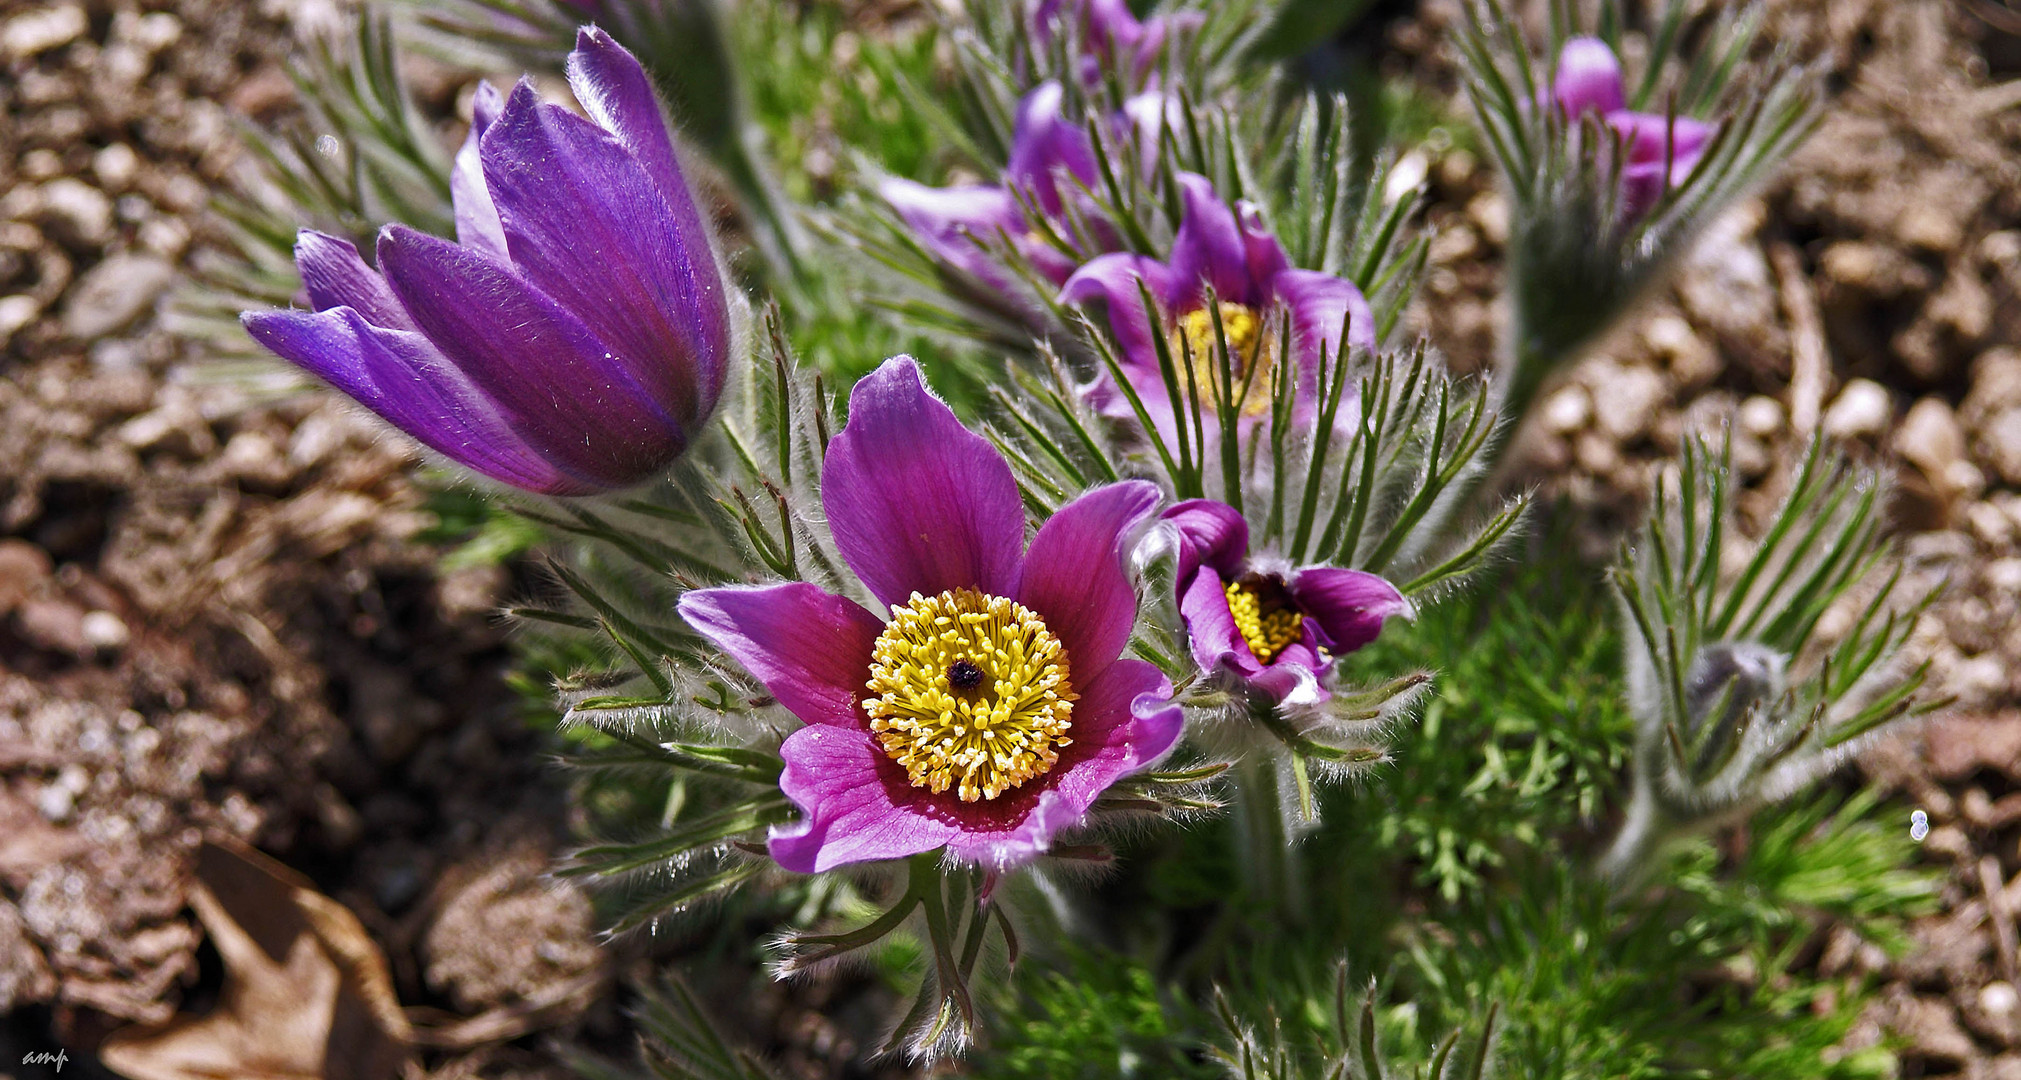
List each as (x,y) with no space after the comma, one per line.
(210,605)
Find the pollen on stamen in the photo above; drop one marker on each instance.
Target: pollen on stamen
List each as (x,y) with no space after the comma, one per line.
(1249,347)
(969,691)
(1267,621)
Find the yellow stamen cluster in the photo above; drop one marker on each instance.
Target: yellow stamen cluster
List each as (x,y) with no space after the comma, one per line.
(1249,349)
(969,691)
(1269,627)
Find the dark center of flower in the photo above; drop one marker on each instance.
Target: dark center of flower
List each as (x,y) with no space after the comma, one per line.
(964,675)
(1250,350)
(969,691)
(1265,614)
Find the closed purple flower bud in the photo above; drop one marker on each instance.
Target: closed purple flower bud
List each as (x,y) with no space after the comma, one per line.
(576,336)
(1658,151)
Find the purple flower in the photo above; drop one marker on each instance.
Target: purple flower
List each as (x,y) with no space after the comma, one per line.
(1275,631)
(1115,35)
(576,338)
(991,707)
(1048,153)
(1231,252)
(1660,150)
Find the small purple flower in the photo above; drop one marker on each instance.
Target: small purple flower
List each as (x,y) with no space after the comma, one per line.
(1115,36)
(1589,80)
(576,338)
(1049,154)
(1231,252)
(991,707)
(1275,631)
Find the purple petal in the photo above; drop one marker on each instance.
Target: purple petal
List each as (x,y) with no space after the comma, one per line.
(1144,120)
(1209,248)
(1045,142)
(1588,78)
(1318,303)
(1211,533)
(1077,575)
(844,786)
(553,380)
(1113,279)
(809,647)
(1646,136)
(335,276)
(950,220)
(476,216)
(1210,626)
(403,378)
(586,225)
(1264,255)
(1348,606)
(917,502)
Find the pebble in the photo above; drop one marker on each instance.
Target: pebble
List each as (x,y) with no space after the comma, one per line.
(76,213)
(15,313)
(1568,410)
(1861,410)
(114,293)
(116,166)
(1999,999)
(1761,417)
(1930,438)
(1999,445)
(1632,395)
(104,632)
(39,31)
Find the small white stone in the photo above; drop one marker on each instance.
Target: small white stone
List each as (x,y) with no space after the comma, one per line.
(1930,438)
(55,803)
(1761,417)
(1999,999)
(1568,410)
(104,630)
(1862,410)
(116,166)
(39,31)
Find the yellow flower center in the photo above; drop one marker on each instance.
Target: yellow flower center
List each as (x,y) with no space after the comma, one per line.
(969,691)
(1249,349)
(1265,616)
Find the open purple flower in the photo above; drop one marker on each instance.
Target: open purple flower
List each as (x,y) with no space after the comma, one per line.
(1275,631)
(1049,154)
(576,338)
(1659,151)
(1231,252)
(1118,40)
(991,707)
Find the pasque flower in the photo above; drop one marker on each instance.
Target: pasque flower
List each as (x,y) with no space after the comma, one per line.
(1116,38)
(575,337)
(990,706)
(1658,151)
(1275,630)
(1230,252)
(1049,154)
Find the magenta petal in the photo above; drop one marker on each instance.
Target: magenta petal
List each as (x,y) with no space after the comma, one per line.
(1588,77)
(1209,248)
(917,502)
(1266,258)
(1113,279)
(951,221)
(334,275)
(1348,606)
(402,377)
(843,784)
(1318,303)
(1077,574)
(1046,143)
(476,215)
(1211,533)
(586,226)
(1649,138)
(1210,626)
(809,647)
(553,380)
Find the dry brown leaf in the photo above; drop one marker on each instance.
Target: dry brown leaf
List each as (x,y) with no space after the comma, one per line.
(307,994)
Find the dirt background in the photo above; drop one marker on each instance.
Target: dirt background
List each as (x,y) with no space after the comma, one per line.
(215,609)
